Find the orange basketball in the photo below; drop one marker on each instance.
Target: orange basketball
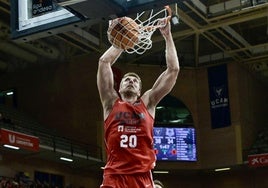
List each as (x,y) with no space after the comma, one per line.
(123,33)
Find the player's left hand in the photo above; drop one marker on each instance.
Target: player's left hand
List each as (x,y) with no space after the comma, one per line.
(166,26)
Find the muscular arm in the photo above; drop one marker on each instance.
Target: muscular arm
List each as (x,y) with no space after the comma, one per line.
(105,81)
(167,79)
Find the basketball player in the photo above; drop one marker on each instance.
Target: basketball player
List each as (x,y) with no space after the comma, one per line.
(129,118)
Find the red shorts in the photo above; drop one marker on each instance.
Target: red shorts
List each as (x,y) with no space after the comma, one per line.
(140,180)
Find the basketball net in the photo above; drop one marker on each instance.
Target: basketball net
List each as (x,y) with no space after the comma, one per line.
(140,38)
(147,28)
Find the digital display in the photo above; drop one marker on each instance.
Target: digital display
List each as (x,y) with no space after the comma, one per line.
(175,144)
(33,19)
(40,7)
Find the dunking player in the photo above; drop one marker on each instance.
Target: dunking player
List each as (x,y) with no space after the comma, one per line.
(129,118)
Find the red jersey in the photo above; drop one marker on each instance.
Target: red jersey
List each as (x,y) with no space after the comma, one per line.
(129,139)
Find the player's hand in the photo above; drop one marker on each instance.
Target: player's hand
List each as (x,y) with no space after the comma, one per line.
(165,28)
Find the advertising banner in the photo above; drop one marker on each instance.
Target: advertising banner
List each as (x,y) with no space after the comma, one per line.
(219,96)
(258,160)
(21,140)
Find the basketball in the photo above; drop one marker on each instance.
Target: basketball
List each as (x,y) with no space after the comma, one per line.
(123,33)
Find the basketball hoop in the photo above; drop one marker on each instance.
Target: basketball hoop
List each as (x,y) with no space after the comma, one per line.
(134,36)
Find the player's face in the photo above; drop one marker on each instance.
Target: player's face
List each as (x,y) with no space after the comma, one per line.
(130,84)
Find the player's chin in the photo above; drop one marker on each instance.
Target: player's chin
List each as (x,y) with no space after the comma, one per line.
(131,91)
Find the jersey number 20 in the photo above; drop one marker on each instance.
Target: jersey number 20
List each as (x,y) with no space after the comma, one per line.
(128,141)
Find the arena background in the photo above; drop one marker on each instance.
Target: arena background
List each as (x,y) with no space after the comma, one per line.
(53,80)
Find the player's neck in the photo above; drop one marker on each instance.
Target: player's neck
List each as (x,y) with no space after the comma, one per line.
(129,99)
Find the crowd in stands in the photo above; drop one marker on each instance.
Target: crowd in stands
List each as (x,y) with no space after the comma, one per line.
(6,182)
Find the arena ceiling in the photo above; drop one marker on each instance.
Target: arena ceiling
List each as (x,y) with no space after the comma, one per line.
(208,33)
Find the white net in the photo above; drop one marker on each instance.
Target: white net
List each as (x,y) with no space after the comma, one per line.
(146,29)
(134,36)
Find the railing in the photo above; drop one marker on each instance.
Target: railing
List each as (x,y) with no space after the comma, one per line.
(19,122)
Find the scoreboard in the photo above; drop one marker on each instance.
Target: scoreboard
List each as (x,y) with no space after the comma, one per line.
(175,144)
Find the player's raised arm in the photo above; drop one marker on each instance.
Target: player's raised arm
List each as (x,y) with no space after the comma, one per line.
(105,81)
(167,79)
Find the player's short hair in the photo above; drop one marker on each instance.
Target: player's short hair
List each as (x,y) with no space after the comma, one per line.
(134,75)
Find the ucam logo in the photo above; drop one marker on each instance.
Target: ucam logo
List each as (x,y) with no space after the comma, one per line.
(218,91)
(220,98)
(258,160)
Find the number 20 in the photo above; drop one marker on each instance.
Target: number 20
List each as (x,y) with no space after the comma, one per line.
(128,141)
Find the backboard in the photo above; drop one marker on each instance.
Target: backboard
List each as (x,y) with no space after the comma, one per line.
(30,17)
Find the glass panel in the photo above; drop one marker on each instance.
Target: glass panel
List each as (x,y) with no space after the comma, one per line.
(172,111)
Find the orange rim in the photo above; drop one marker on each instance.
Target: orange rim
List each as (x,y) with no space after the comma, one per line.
(169,12)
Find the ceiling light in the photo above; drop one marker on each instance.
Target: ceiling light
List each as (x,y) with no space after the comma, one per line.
(175,17)
(160,172)
(221,169)
(66,159)
(175,20)
(9,93)
(11,147)
(176,121)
